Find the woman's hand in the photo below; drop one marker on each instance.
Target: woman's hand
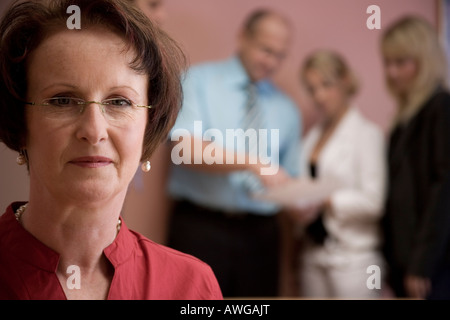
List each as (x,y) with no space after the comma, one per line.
(306,213)
(274,180)
(417,287)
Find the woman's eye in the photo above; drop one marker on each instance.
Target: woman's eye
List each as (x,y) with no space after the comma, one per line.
(62,101)
(120,102)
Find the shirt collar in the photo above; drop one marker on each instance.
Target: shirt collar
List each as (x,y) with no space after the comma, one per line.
(122,247)
(24,245)
(236,73)
(238,76)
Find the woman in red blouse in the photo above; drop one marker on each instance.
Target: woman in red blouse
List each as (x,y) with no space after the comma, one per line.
(83,107)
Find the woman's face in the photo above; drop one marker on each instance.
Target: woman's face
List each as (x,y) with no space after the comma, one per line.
(329,97)
(400,74)
(91,155)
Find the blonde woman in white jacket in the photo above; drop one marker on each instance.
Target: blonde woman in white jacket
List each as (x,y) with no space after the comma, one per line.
(340,238)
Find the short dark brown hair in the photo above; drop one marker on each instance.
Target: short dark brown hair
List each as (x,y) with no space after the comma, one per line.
(27,23)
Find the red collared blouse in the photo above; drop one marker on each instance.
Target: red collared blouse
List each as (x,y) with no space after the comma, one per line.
(142,269)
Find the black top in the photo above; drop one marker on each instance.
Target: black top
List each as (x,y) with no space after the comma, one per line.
(316,230)
(313,170)
(416,223)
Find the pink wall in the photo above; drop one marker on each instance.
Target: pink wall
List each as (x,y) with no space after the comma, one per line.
(207,31)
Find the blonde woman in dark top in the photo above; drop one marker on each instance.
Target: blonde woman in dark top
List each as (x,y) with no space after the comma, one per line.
(417,212)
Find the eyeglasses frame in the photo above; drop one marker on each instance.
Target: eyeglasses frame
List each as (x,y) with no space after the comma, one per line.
(84,103)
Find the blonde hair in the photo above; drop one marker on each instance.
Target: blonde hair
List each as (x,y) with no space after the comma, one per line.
(332,66)
(414,37)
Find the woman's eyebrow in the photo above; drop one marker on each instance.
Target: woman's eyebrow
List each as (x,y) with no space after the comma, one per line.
(125,87)
(71,86)
(61,84)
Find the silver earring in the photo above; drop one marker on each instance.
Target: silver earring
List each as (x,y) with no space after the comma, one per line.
(21,159)
(146,166)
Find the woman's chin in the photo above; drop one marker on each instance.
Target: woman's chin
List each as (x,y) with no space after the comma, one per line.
(91,191)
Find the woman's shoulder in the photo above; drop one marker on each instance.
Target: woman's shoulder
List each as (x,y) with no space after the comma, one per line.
(434,113)
(442,94)
(181,269)
(167,253)
(440,102)
(160,252)
(365,126)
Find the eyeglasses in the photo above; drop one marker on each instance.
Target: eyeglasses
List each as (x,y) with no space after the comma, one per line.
(70,107)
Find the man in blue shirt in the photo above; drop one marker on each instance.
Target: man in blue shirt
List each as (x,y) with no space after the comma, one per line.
(216,168)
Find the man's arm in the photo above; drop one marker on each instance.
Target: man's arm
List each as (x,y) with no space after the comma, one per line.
(203,161)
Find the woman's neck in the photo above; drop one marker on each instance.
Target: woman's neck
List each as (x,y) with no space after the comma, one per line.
(331,122)
(78,233)
(329,126)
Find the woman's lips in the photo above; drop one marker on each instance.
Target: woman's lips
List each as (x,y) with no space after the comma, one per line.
(91,162)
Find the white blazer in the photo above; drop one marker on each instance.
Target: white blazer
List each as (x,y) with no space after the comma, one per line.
(353,159)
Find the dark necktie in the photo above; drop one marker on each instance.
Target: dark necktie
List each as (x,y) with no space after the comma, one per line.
(253,119)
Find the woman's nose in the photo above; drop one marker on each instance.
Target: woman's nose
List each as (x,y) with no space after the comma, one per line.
(93,125)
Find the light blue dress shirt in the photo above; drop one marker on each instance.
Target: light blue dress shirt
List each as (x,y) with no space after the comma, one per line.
(214,93)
